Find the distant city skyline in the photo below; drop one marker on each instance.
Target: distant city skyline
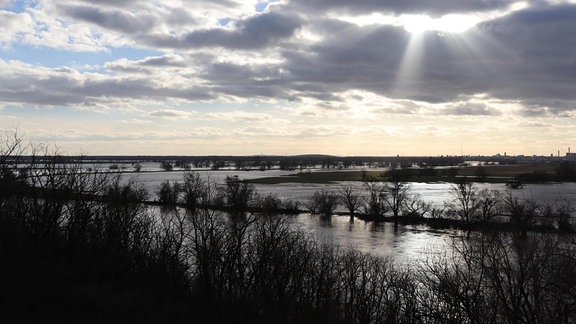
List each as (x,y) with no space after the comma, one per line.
(231,77)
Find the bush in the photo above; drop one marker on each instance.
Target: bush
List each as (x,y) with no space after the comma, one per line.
(323,203)
(237,194)
(169,192)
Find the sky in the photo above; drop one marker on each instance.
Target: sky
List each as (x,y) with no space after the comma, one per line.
(288,77)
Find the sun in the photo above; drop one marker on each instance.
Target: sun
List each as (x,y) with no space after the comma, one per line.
(452,23)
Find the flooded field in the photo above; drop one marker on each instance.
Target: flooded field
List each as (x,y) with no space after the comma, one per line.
(436,193)
(406,243)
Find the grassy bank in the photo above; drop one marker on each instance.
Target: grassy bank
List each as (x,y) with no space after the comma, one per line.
(491,174)
(316,177)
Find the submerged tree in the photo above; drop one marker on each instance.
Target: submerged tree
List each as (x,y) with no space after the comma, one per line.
(169,192)
(324,203)
(374,203)
(466,204)
(351,200)
(238,194)
(396,196)
(196,190)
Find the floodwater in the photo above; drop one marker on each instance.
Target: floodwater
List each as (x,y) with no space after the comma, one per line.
(405,243)
(435,193)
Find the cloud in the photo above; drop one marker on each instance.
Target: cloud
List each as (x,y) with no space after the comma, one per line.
(471,109)
(241,116)
(113,3)
(122,21)
(134,122)
(255,32)
(208,132)
(328,131)
(23,83)
(258,131)
(14,25)
(147,65)
(170,114)
(297,51)
(549,108)
(439,7)
(541,64)
(525,55)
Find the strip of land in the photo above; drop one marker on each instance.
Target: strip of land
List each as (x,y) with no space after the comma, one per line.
(492,174)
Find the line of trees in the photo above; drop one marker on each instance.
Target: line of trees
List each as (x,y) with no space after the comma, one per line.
(391,198)
(233,195)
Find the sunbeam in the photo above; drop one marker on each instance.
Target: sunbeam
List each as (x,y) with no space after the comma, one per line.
(409,70)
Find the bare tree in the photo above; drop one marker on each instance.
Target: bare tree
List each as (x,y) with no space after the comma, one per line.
(237,193)
(466,203)
(521,212)
(375,201)
(416,206)
(489,204)
(195,190)
(351,200)
(324,203)
(396,195)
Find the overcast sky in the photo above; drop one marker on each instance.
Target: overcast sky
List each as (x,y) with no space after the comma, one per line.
(370,77)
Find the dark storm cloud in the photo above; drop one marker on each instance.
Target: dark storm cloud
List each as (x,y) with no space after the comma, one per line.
(438,7)
(253,33)
(116,20)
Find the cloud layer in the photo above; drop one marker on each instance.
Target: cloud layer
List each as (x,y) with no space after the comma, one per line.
(293,61)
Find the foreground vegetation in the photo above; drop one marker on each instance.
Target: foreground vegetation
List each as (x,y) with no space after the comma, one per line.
(81,247)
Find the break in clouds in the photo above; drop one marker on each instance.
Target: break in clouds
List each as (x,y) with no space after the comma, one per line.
(316,55)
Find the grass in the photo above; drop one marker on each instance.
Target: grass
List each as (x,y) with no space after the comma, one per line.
(317,177)
(509,170)
(493,174)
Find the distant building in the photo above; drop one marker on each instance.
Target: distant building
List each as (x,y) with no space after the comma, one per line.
(571,156)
